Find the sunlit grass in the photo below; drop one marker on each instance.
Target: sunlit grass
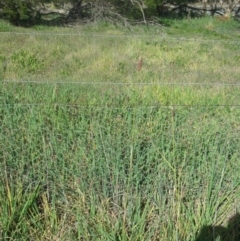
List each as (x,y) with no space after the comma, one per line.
(106,57)
(125,154)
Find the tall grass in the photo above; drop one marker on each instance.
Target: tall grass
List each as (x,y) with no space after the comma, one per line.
(104,161)
(96,172)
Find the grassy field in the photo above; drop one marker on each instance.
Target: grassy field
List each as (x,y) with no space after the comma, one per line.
(92,149)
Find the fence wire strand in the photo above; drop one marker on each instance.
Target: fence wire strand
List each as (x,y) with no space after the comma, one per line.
(161,37)
(122,83)
(116,108)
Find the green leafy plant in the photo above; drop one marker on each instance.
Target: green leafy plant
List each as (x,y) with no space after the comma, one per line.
(26,60)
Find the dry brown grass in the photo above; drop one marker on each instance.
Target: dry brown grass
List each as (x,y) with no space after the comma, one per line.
(140,63)
(223,18)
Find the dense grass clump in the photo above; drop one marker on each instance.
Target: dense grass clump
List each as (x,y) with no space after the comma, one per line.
(92,149)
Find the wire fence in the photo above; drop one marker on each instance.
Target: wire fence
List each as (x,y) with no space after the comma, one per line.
(93,148)
(172,68)
(110,95)
(112,83)
(117,108)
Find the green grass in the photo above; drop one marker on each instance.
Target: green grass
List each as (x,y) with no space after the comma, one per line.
(112,57)
(112,159)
